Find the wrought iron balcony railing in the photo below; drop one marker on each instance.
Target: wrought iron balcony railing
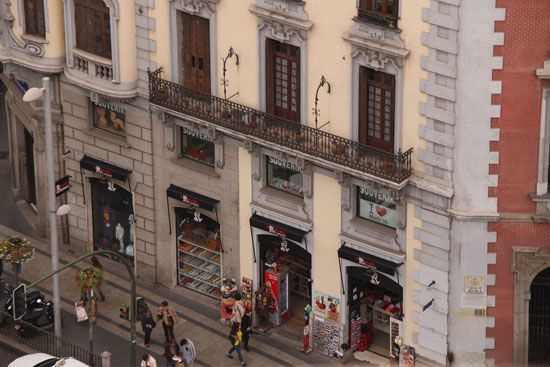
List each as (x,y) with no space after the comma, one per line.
(254,123)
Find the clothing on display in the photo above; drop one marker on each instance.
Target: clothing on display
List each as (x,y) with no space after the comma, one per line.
(112,210)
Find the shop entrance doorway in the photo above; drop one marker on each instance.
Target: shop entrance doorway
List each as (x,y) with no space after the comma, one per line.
(279,256)
(374,301)
(29,169)
(112,217)
(539,322)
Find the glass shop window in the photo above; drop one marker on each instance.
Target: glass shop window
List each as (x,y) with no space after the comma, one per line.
(197,146)
(285,176)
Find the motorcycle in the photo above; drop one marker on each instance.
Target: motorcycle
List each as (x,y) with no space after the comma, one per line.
(39,312)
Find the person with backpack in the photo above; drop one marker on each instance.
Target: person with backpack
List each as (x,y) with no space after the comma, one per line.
(148,324)
(189,351)
(236,337)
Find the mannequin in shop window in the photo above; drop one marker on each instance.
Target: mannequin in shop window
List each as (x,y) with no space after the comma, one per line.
(107,236)
(119,234)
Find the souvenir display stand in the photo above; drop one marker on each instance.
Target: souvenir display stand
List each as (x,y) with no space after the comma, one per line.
(279,285)
(199,252)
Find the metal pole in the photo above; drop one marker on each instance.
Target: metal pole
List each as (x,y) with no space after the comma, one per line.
(132,292)
(51,204)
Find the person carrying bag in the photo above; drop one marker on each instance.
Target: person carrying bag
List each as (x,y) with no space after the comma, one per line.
(148,324)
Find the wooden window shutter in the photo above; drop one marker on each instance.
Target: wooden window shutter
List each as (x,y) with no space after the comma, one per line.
(269,76)
(187,54)
(202,36)
(362,105)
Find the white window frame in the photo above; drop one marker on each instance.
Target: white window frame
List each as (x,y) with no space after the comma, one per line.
(70,35)
(22,17)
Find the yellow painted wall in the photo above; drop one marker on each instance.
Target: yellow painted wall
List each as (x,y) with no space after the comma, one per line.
(127,42)
(161,34)
(245,197)
(237,27)
(326,230)
(411,285)
(412,25)
(56,37)
(329,55)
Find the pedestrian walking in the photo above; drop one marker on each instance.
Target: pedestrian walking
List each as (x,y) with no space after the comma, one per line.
(236,337)
(148,324)
(189,352)
(171,352)
(246,328)
(96,264)
(169,318)
(148,361)
(238,309)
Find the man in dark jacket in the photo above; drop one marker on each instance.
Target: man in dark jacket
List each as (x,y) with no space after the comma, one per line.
(246,328)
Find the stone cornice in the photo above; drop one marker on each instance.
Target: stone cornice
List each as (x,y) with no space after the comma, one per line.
(281,25)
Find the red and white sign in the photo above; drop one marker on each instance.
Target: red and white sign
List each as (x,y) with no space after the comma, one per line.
(103,171)
(188,200)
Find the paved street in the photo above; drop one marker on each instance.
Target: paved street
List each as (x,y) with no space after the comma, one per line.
(8,354)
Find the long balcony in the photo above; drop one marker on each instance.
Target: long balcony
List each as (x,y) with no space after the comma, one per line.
(260,125)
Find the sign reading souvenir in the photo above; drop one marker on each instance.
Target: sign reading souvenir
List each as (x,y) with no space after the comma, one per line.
(62,185)
(109,117)
(377,206)
(196,134)
(474,284)
(327,307)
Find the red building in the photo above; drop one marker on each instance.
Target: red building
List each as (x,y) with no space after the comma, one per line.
(521,291)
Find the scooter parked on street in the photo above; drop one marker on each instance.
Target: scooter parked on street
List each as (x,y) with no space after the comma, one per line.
(39,312)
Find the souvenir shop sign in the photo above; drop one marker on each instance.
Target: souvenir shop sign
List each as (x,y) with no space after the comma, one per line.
(109,117)
(377,206)
(326,306)
(283,163)
(62,185)
(277,228)
(104,168)
(367,260)
(192,198)
(196,134)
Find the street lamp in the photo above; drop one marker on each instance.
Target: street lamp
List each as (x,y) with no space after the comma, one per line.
(32,95)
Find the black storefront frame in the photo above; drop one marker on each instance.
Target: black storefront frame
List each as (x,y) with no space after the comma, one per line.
(105,170)
(192,199)
(276,228)
(95,183)
(294,250)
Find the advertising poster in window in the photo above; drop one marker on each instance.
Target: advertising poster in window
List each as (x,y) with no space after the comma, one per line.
(110,118)
(377,206)
(327,307)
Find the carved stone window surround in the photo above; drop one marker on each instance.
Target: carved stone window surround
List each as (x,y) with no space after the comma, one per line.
(175,125)
(527,263)
(368,231)
(299,207)
(202,8)
(70,39)
(284,21)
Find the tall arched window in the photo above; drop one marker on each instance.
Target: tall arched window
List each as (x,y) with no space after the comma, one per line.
(93,27)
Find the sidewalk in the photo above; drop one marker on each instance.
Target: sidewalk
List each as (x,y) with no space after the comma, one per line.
(199,318)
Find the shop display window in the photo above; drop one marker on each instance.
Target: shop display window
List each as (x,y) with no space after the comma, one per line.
(376,206)
(198,252)
(113,217)
(277,255)
(109,118)
(197,146)
(285,176)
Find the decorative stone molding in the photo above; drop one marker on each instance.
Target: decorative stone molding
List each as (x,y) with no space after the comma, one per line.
(285,21)
(27,46)
(194,6)
(527,263)
(204,9)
